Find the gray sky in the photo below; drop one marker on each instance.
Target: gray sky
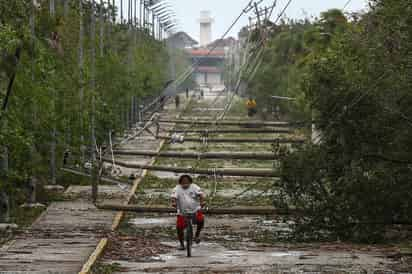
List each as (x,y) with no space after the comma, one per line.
(225,11)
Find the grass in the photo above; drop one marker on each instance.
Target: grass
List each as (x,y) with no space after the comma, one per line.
(155,191)
(152,182)
(158,232)
(24,217)
(67,179)
(238,108)
(101,268)
(206,163)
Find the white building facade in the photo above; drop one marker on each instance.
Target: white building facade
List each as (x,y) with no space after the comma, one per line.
(205,22)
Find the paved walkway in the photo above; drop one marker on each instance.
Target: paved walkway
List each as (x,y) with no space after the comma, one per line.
(236,244)
(66,234)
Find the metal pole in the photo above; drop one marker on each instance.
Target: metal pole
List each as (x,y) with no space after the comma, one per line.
(153,25)
(93,90)
(136,23)
(141,13)
(132,115)
(144,14)
(121,12)
(140,107)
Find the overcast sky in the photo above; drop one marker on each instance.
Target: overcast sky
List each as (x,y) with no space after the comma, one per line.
(225,11)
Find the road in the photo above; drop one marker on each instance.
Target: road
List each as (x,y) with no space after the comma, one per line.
(67,233)
(230,244)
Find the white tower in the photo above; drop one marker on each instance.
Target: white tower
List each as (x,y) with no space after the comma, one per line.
(205,28)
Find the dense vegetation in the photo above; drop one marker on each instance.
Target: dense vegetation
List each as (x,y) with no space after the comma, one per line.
(351,74)
(353,77)
(77,76)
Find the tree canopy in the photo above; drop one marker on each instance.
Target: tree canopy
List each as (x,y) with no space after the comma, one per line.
(356,84)
(46,106)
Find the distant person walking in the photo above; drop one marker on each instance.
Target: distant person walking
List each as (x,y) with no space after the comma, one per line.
(177,101)
(162,102)
(251,107)
(277,112)
(187,92)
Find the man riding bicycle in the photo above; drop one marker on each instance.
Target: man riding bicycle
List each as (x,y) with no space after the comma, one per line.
(188,198)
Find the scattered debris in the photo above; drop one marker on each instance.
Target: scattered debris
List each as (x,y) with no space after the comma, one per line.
(33,205)
(8,227)
(54,188)
(133,248)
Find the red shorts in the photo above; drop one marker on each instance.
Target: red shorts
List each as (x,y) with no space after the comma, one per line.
(199,218)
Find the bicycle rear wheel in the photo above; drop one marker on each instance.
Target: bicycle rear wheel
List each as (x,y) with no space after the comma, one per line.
(189,239)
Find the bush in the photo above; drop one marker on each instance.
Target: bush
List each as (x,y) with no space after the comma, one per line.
(358,86)
(342,199)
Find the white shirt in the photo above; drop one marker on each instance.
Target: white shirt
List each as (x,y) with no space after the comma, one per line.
(187,200)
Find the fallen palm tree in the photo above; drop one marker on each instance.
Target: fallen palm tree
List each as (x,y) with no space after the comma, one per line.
(202,171)
(236,211)
(194,121)
(227,131)
(200,155)
(182,139)
(212,211)
(85,174)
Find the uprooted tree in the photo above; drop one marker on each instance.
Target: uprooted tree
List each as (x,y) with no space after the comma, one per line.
(357,83)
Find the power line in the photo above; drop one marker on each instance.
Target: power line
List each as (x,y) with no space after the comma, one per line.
(272,8)
(283,11)
(347,4)
(261,42)
(190,70)
(258,59)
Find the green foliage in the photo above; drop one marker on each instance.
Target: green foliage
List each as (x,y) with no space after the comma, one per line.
(358,87)
(8,39)
(281,70)
(285,61)
(46,92)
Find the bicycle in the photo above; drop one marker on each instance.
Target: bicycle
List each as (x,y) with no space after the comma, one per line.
(188,232)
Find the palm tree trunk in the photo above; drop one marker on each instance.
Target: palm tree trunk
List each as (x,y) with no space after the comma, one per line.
(114,12)
(101,22)
(93,103)
(52,6)
(53,144)
(66,8)
(4,203)
(5,160)
(121,11)
(81,75)
(135,13)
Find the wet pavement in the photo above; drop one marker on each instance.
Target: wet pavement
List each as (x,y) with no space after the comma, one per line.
(65,235)
(238,244)
(212,257)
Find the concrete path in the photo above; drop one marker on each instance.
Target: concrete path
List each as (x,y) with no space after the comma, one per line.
(236,244)
(212,257)
(229,246)
(65,235)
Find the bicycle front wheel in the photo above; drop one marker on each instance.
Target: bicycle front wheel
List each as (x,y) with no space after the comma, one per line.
(189,240)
